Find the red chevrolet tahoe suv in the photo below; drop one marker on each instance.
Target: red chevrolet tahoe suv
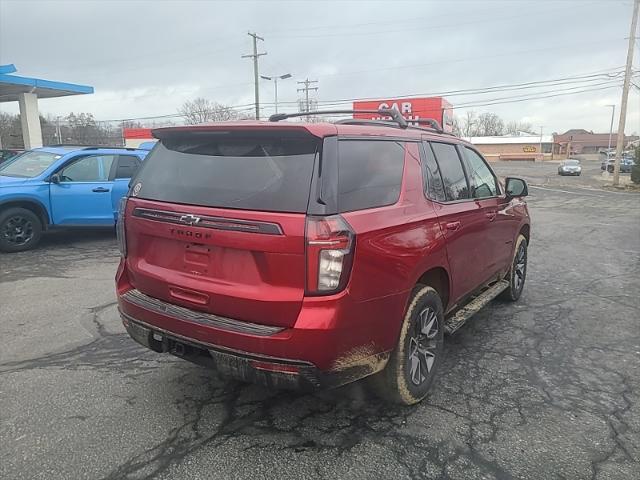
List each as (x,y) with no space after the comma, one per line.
(315,254)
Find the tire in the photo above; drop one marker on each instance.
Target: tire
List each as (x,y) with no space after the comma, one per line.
(20,229)
(412,367)
(518,271)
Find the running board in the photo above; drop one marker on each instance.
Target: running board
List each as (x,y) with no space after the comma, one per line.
(455,321)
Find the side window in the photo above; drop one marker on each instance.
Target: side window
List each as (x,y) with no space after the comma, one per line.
(453,178)
(433,180)
(127,166)
(92,168)
(483,182)
(369,173)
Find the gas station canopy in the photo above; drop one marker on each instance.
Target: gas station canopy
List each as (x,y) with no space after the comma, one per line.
(26,91)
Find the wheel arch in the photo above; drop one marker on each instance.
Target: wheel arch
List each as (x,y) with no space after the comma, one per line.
(526,231)
(438,278)
(30,204)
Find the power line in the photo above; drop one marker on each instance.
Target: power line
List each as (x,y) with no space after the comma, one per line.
(467,59)
(537,98)
(592,76)
(456,107)
(237,108)
(491,89)
(506,100)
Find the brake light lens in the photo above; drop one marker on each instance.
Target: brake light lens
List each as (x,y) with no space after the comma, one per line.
(330,245)
(120,230)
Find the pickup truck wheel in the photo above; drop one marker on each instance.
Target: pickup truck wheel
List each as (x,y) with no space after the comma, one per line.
(412,366)
(518,271)
(20,229)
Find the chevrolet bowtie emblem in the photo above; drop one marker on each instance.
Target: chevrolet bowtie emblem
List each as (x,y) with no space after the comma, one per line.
(189,219)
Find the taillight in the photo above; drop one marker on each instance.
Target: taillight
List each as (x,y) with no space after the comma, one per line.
(330,245)
(120,230)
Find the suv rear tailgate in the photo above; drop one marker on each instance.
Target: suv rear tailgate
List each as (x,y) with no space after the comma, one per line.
(244,265)
(216,222)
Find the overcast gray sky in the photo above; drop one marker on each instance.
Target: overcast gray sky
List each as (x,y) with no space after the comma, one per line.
(146,58)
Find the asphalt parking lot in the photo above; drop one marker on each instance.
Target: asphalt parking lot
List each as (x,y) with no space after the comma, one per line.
(547,388)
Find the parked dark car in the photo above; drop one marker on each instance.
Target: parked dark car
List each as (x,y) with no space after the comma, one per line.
(626,164)
(315,254)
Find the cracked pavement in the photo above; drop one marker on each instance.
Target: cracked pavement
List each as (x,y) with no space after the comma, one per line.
(546,388)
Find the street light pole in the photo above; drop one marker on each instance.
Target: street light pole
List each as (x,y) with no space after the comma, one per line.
(541,152)
(275,93)
(275,84)
(613,111)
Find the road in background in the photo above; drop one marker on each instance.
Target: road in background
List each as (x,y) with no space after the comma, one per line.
(544,388)
(546,174)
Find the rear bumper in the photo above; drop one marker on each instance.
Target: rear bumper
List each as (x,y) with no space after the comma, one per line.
(265,370)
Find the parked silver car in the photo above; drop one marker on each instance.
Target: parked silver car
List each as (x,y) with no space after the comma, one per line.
(570,167)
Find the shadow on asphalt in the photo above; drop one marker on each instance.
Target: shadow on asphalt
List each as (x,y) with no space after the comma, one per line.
(54,238)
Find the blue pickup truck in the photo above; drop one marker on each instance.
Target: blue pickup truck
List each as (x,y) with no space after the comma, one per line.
(62,186)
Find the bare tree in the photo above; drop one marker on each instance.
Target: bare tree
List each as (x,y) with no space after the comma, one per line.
(469,126)
(201,110)
(514,127)
(456,126)
(10,131)
(489,124)
(82,129)
(130,124)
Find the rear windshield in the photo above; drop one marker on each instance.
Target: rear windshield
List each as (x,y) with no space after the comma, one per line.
(269,173)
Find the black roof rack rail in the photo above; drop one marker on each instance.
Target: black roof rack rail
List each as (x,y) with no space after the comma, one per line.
(427,121)
(366,121)
(396,121)
(387,123)
(387,112)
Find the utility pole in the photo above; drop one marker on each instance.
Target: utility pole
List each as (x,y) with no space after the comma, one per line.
(255,56)
(306,89)
(625,94)
(541,152)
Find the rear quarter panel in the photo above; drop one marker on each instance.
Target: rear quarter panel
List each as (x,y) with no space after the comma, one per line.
(395,245)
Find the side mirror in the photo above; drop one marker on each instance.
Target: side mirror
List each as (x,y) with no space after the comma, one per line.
(516,187)
(55,178)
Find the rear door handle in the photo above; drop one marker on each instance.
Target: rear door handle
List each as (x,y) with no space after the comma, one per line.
(491,216)
(453,225)
(100,190)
